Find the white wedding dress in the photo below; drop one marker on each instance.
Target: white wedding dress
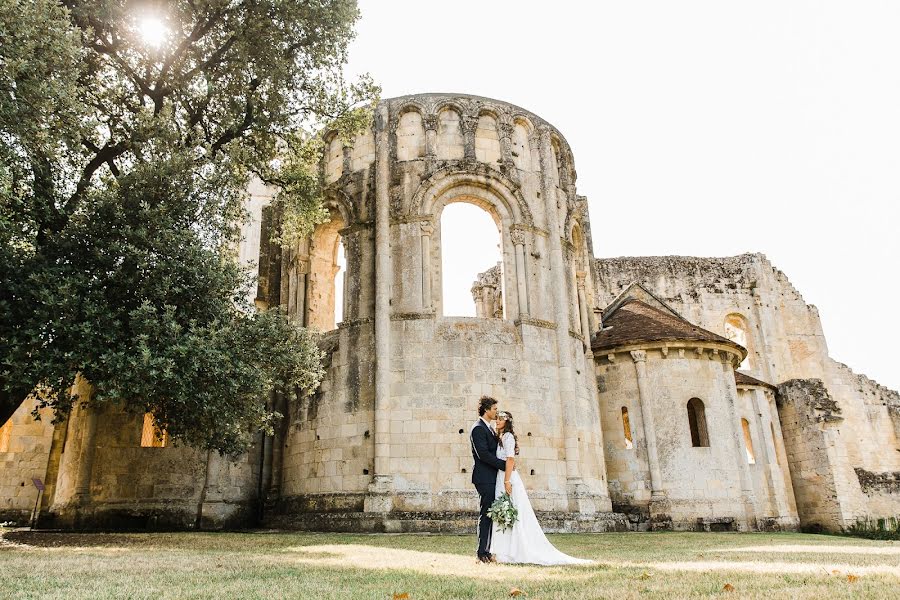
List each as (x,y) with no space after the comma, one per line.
(525,541)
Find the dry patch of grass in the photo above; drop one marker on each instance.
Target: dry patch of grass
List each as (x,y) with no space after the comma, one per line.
(301,565)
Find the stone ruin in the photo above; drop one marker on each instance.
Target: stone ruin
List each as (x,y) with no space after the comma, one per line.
(649,392)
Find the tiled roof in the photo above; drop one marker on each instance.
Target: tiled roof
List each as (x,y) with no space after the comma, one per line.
(634,322)
(744,379)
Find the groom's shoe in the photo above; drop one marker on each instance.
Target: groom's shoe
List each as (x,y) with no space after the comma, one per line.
(484,559)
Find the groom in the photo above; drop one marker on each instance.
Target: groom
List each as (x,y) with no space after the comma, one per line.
(484,473)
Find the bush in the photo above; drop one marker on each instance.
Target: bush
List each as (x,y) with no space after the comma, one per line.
(876,529)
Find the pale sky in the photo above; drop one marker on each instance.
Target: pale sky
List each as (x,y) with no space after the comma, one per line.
(701,128)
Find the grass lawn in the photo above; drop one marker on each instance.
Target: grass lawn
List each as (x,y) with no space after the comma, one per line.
(302,565)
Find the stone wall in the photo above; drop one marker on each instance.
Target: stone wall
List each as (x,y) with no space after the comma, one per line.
(785,340)
(138,487)
(785,337)
(24,450)
(328,448)
(773,494)
(397,442)
(700,487)
(810,420)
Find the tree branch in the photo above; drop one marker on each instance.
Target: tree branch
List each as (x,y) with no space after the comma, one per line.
(106,154)
(249,115)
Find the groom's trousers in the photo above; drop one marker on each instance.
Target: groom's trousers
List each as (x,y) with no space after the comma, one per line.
(486,491)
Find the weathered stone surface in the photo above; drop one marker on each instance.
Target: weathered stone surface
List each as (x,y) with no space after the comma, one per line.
(383,446)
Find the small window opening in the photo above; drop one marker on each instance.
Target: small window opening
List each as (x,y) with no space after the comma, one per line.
(737,331)
(697,423)
(151,435)
(326,278)
(626,426)
(748,442)
(5,432)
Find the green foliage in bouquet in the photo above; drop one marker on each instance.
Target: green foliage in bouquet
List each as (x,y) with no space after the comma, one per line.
(503,513)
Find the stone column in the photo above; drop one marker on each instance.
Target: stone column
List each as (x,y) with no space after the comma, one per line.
(82,491)
(518,240)
(583,311)
(505,133)
(645,399)
(561,313)
(430,122)
(781,451)
(379,501)
(469,124)
(769,456)
(738,439)
(427,230)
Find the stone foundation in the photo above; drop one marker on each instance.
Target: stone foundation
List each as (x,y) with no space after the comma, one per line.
(438,522)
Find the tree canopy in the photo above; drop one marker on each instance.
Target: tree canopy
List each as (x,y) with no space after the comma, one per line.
(129,133)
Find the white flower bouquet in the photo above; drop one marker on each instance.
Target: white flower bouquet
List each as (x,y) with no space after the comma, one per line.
(503,513)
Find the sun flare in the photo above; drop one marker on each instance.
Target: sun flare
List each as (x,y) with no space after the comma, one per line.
(152,30)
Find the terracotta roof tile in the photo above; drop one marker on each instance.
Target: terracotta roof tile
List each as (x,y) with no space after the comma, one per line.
(635,322)
(744,379)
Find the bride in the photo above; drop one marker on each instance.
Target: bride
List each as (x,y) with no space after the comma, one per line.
(524,542)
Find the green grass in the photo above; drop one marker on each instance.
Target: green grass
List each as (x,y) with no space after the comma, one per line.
(300,565)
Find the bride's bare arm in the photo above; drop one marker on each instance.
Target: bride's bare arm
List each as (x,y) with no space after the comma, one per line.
(510,467)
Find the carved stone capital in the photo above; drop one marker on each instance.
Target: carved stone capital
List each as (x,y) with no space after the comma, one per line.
(517,236)
(638,356)
(505,130)
(426,227)
(430,122)
(468,124)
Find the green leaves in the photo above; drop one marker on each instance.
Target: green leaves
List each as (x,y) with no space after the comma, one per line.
(123,174)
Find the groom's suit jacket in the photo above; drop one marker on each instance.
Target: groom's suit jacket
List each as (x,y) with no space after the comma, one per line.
(484,452)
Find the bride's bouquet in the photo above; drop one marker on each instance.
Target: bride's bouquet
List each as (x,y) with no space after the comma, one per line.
(503,513)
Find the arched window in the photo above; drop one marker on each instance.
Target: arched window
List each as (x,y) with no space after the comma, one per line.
(487,140)
(5,432)
(450,145)
(521,147)
(554,164)
(737,331)
(151,436)
(410,136)
(626,426)
(326,275)
(472,270)
(697,422)
(748,442)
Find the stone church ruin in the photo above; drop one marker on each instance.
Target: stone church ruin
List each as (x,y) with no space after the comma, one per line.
(649,392)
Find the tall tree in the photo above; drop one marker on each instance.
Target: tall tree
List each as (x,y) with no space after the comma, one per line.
(129,131)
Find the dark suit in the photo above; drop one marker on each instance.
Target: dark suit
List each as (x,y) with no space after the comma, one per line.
(484,476)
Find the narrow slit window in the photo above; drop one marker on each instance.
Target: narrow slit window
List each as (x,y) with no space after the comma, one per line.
(151,436)
(748,442)
(626,426)
(697,423)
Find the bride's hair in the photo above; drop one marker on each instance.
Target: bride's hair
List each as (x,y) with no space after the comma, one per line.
(507,417)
